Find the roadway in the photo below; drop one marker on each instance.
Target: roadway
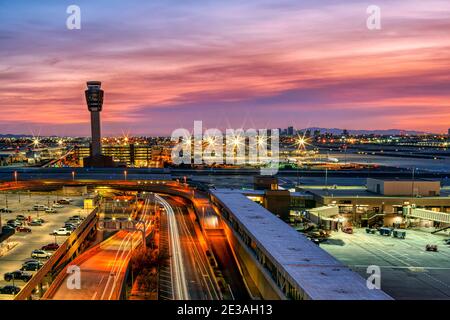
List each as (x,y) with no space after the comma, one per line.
(40,235)
(103,267)
(199,276)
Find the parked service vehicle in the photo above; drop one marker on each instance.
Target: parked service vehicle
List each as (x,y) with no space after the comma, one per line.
(385,231)
(23,229)
(40,254)
(348,230)
(62,232)
(17,275)
(32,265)
(9,290)
(50,247)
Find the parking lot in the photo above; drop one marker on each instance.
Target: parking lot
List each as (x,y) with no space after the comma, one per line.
(408,271)
(40,235)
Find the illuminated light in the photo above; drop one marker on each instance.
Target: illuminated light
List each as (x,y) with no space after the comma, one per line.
(261,141)
(210,140)
(301,142)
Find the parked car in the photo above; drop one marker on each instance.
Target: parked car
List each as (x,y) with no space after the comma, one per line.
(23,229)
(71,223)
(39,220)
(21,217)
(35,223)
(70,227)
(447,241)
(39,207)
(62,201)
(9,290)
(8,229)
(17,275)
(431,247)
(62,232)
(57,205)
(14,223)
(32,265)
(40,254)
(74,220)
(50,247)
(5,210)
(50,210)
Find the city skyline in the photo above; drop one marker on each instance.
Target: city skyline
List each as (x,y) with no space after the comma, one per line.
(265,64)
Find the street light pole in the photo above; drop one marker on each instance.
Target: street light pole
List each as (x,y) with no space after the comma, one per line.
(73,175)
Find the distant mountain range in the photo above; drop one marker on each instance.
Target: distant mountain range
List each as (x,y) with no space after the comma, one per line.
(15,136)
(386,132)
(334,131)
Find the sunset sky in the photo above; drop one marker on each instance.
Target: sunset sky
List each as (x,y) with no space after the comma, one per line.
(232,64)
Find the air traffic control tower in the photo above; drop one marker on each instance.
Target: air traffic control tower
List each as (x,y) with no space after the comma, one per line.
(94,100)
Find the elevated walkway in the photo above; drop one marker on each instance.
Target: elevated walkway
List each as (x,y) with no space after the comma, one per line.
(428,215)
(299,268)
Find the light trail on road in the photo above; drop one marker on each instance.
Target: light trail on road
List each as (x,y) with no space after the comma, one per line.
(181,291)
(201,265)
